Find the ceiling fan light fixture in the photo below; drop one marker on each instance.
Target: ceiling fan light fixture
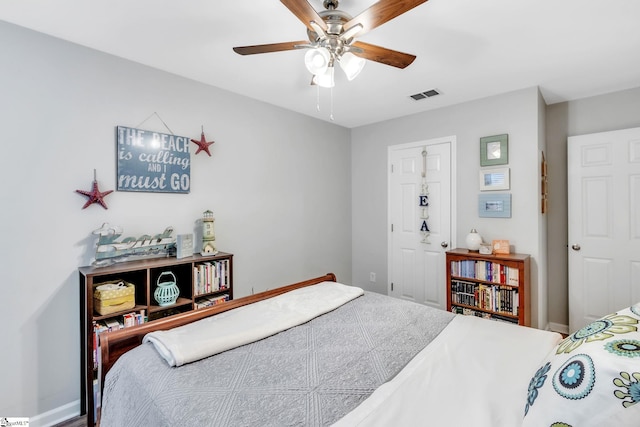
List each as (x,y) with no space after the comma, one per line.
(351,64)
(331,35)
(325,79)
(317,60)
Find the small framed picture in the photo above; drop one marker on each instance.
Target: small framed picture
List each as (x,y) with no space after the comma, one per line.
(494,150)
(494,205)
(184,245)
(500,247)
(495,179)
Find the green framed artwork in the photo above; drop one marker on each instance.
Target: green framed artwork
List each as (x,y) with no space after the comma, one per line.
(494,150)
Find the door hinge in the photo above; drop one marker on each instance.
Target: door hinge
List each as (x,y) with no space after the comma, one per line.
(391,286)
(391,167)
(392,228)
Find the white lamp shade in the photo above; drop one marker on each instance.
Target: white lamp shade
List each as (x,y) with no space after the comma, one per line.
(325,79)
(351,64)
(317,60)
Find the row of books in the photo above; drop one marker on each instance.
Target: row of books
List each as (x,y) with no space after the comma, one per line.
(487,297)
(113,324)
(470,312)
(211,301)
(486,270)
(211,276)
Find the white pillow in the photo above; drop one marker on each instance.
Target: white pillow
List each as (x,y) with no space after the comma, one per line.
(591,378)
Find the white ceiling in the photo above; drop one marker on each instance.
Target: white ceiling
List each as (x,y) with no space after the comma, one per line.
(466,49)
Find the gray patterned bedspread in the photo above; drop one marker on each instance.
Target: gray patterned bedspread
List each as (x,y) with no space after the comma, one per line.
(310,375)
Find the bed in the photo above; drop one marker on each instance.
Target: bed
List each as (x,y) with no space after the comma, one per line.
(319,353)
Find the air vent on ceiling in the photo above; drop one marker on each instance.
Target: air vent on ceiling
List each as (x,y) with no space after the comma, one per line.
(426,94)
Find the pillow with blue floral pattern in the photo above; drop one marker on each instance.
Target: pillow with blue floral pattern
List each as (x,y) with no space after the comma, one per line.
(591,378)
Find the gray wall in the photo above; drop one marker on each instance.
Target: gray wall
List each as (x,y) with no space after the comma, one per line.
(619,110)
(278,184)
(517,114)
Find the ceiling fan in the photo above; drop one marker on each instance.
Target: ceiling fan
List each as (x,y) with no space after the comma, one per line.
(331,35)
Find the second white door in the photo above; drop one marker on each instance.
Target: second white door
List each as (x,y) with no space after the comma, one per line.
(604,224)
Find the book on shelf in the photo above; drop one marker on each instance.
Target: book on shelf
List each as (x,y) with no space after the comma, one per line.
(98,328)
(211,301)
(487,271)
(211,276)
(485,296)
(114,324)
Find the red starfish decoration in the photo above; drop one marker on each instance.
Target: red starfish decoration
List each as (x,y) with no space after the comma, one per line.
(95,195)
(203,145)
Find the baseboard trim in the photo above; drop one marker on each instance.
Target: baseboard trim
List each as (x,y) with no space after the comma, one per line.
(56,415)
(558,327)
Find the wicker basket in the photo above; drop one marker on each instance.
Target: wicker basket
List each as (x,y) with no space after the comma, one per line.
(112,297)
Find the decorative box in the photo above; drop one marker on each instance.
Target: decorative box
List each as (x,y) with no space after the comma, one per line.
(113,296)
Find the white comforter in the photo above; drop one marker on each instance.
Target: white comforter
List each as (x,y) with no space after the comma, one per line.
(475,373)
(250,323)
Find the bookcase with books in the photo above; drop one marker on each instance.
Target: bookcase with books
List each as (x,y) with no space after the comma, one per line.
(494,287)
(126,294)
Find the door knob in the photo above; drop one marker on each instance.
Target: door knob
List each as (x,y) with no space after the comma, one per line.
(444,244)
(575,247)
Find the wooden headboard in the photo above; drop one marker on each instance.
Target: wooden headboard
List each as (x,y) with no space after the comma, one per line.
(115,344)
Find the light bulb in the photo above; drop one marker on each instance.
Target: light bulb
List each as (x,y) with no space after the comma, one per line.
(317,60)
(325,79)
(351,64)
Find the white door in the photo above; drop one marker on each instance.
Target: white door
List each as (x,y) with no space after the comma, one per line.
(417,257)
(604,224)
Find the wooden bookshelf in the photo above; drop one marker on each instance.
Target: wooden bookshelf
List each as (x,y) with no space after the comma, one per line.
(144,275)
(490,286)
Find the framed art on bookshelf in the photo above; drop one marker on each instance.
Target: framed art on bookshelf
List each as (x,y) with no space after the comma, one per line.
(184,245)
(500,247)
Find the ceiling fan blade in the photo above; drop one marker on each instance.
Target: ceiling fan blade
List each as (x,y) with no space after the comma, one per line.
(383,55)
(305,13)
(381,12)
(267,48)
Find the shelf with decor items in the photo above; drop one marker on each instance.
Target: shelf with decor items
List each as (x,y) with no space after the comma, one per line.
(491,286)
(130,293)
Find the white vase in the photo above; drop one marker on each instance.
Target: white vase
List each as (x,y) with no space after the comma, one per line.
(473,240)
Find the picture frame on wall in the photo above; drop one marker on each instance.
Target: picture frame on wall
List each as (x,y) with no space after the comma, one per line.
(152,162)
(494,205)
(495,179)
(494,150)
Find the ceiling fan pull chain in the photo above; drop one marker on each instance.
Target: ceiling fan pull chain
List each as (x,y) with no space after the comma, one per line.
(331,96)
(318,98)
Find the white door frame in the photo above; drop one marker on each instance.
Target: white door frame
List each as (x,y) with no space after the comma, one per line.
(454,201)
